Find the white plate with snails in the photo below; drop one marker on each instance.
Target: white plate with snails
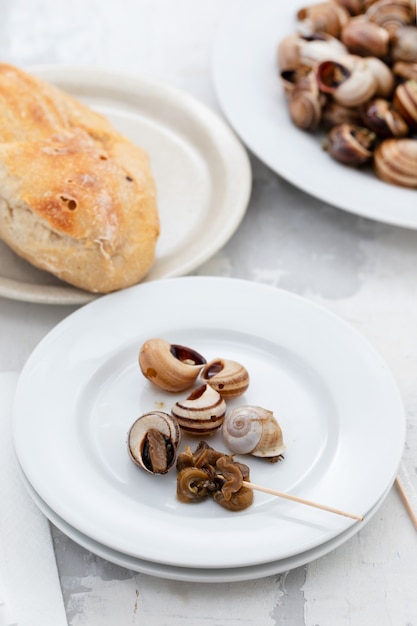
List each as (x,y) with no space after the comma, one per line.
(82,389)
(190,574)
(251,95)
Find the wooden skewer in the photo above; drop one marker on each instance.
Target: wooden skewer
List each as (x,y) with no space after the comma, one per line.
(406,501)
(287,496)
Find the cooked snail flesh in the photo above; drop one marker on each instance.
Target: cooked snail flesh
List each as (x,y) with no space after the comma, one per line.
(207,472)
(153,440)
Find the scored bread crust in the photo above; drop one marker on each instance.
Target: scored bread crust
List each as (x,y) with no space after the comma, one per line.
(77,198)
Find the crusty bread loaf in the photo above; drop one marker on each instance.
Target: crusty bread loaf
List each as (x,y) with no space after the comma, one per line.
(77,199)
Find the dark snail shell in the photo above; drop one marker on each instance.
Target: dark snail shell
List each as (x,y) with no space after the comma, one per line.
(350,144)
(381,117)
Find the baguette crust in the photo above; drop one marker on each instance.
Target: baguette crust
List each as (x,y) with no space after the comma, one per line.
(77,199)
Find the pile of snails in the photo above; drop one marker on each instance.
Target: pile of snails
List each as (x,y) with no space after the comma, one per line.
(154,438)
(351,70)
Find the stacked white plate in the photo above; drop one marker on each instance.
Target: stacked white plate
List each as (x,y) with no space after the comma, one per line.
(337,403)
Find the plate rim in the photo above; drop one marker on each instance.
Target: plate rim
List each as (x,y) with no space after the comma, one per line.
(209,121)
(199,575)
(36,475)
(393,212)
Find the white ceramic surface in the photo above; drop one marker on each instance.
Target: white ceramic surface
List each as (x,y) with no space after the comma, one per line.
(81,390)
(201,575)
(202,174)
(249,90)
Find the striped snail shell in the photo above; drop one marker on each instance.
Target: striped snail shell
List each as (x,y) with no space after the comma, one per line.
(229,378)
(202,412)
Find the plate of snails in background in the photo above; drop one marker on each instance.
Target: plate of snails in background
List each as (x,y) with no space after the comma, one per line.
(283,85)
(78,422)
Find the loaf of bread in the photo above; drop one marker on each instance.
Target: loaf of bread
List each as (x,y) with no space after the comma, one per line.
(77,198)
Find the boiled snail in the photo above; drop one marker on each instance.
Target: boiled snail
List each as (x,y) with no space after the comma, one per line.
(152,442)
(208,472)
(202,412)
(171,367)
(354,62)
(253,430)
(395,162)
(350,144)
(229,378)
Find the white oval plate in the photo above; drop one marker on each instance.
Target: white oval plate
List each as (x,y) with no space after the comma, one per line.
(80,391)
(201,169)
(250,94)
(190,574)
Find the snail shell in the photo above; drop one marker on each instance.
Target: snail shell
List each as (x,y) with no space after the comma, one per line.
(383,76)
(404,45)
(334,114)
(323,17)
(229,378)
(202,412)
(253,430)
(395,162)
(365,38)
(350,81)
(305,102)
(169,366)
(152,442)
(404,71)
(391,14)
(350,144)
(381,117)
(405,101)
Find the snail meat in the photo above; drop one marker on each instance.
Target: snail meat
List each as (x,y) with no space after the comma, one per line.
(194,485)
(253,430)
(153,440)
(207,472)
(171,367)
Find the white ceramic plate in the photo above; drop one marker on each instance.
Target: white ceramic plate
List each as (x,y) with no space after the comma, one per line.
(81,390)
(201,170)
(249,91)
(201,575)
